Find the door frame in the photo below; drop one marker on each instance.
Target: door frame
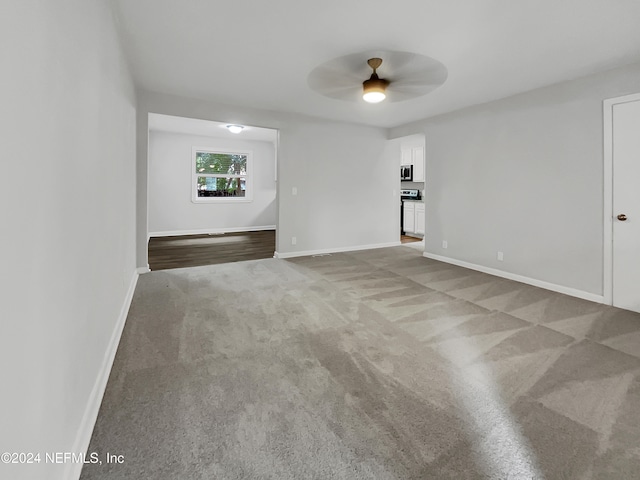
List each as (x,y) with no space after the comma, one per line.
(607,110)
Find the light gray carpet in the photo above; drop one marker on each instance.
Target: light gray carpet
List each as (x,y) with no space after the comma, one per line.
(378,364)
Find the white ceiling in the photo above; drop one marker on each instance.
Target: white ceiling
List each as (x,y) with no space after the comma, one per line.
(206,128)
(259,53)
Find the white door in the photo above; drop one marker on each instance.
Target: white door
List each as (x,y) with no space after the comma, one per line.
(626,205)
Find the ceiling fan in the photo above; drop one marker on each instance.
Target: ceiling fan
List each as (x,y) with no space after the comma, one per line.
(374,89)
(396,76)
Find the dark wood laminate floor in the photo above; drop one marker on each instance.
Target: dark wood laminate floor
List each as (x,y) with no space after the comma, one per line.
(197,250)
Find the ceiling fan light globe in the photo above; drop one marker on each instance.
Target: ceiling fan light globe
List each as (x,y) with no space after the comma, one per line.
(373,90)
(373,96)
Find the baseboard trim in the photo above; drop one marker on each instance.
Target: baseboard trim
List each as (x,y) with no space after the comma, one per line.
(325,251)
(519,278)
(143,270)
(212,231)
(81,444)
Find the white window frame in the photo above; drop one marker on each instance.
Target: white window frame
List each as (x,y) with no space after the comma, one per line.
(248,177)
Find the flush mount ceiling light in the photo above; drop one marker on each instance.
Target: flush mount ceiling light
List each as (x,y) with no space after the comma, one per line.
(373,90)
(405,76)
(235,128)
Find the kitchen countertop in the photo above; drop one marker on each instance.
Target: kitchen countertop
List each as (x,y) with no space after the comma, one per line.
(414,201)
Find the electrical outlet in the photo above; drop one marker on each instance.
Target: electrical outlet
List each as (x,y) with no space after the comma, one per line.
(294,190)
(294,240)
(500,256)
(444,244)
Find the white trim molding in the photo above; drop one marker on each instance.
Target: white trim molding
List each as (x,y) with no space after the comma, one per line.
(211,231)
(607,173)
(83,437)
(592,297)
(325,251)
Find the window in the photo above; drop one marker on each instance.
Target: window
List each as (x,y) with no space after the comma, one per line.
(220,175)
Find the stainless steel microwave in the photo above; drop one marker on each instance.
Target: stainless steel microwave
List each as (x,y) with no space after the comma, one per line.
(406,173)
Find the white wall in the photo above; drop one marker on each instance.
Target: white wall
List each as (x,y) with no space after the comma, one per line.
(523,175)
(67,204)
(345,186)
(344,179)
(170,207)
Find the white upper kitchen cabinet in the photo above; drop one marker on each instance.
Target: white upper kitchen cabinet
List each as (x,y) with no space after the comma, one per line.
(417,160)
(405,154)
(414,156)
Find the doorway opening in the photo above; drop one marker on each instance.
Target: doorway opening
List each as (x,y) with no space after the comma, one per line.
(409,239)
(212,195)
(411,154)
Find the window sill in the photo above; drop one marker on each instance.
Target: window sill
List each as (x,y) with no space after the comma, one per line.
(221,200)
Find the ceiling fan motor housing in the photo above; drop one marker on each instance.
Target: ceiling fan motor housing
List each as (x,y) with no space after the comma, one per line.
(375,83)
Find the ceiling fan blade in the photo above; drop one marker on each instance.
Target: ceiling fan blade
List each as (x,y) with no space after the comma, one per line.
(430,76)
(350,65)
(406,93)
(415,89)
(394,63)
(332,84)
(341,92)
